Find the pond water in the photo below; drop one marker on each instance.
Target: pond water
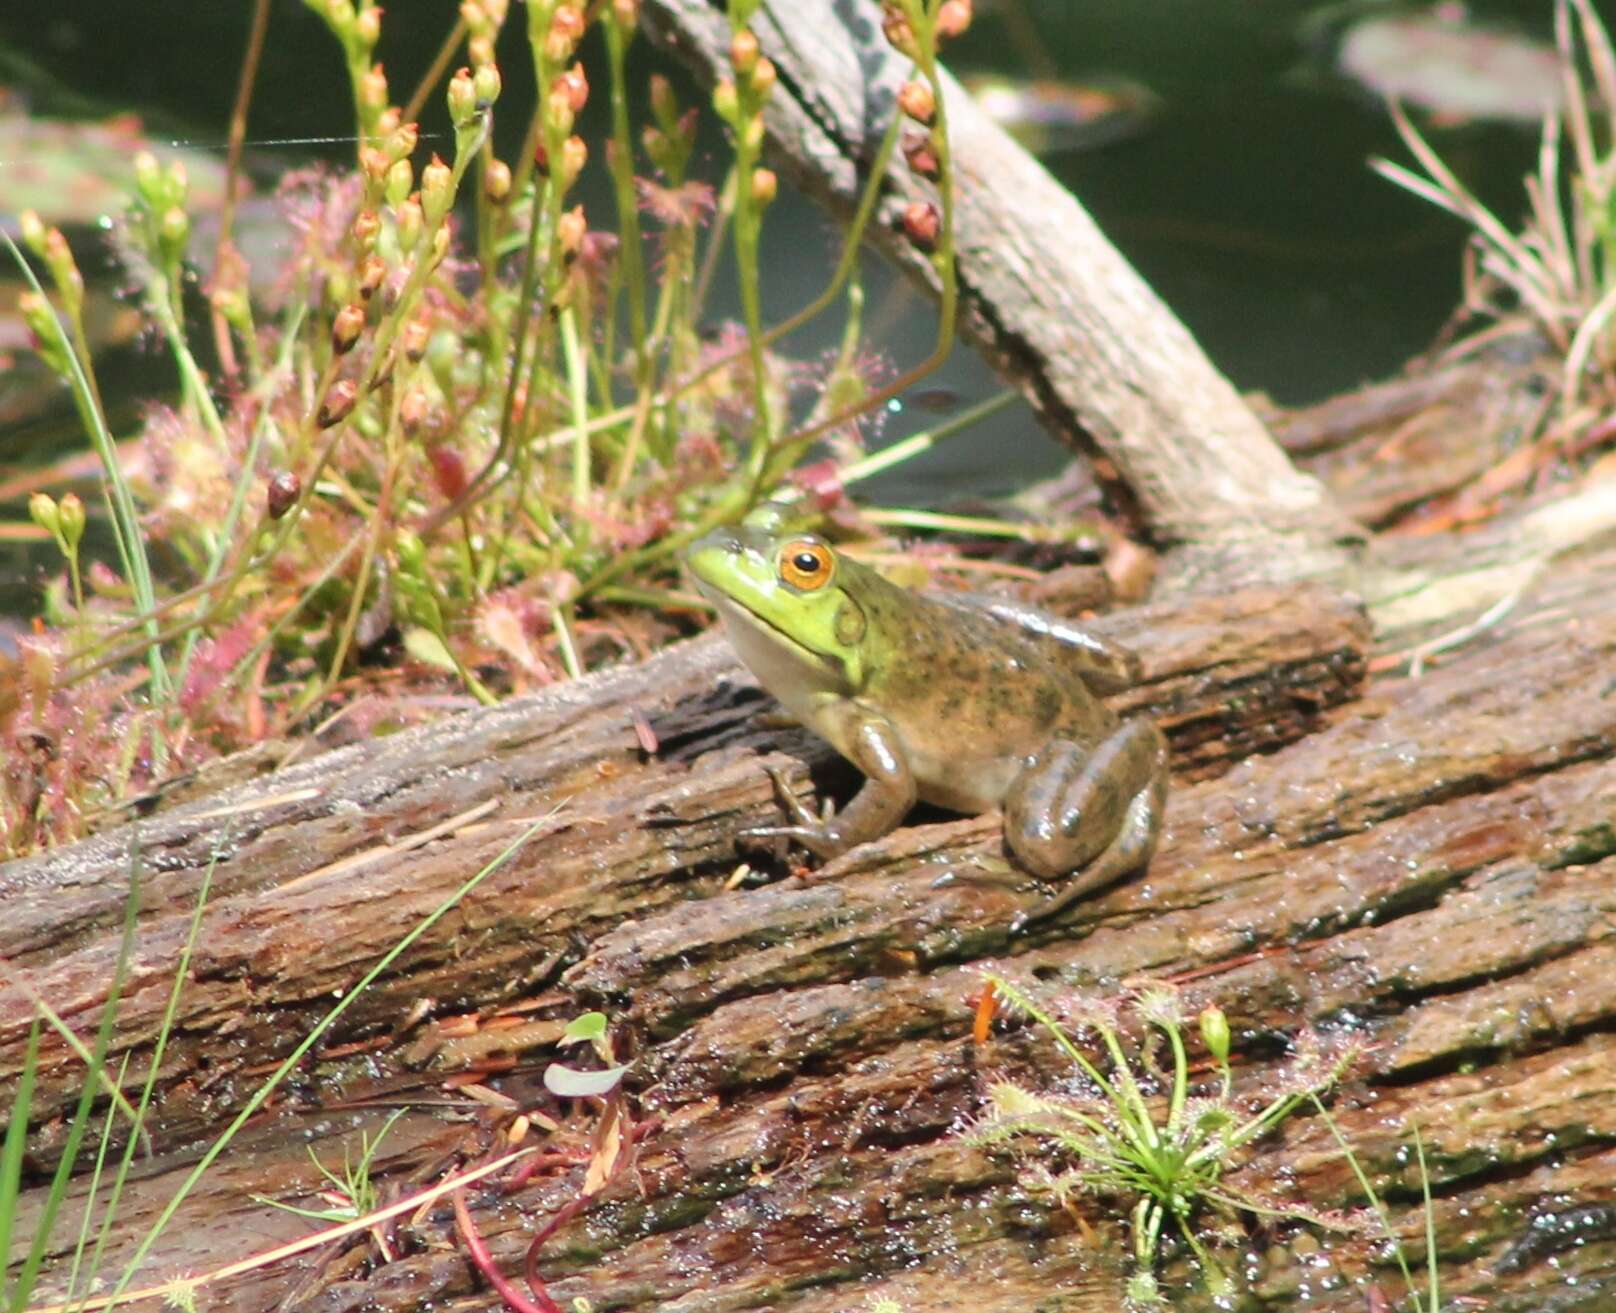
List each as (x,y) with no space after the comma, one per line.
(1245,198)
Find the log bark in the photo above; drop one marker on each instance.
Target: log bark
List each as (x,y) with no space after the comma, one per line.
(1428,866)
(1045,296)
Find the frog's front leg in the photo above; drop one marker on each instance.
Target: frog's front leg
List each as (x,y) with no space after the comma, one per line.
(1094,815)
(870,743)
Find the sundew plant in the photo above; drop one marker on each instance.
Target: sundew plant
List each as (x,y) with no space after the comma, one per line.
(458,449)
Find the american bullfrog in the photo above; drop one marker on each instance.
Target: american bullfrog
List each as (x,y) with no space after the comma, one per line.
(967,703)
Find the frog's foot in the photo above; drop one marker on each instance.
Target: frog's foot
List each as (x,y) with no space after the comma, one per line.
(808,830)
(1097,817)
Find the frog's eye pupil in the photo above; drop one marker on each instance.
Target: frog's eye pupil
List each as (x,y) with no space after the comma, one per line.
(807,562)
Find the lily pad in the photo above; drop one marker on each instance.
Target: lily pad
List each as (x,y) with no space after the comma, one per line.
(1438,62)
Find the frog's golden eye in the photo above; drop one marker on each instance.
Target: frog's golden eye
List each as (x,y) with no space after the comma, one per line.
(805,564)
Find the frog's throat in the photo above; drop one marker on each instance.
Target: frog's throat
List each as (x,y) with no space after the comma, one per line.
(764,646)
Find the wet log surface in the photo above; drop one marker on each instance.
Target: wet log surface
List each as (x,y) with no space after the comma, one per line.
(1428,864)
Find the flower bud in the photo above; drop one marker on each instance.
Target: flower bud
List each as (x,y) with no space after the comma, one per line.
(626,13)
(922,223)
(480,50)
(408,215)
(282,493)
(462,97)
(497,181)
(338,403)
(64,270)
(400,182)
(340,14)
(440,243)
(149,179)
(664,105)
(173,231)
(368,26)
(366,225)
(559,114)
(571,228)
(437,191)
(346,327)
(916,100)
(921,153)
(953,18)
(752,134)
(486,83)
(33,231)
(388,120)
(764,186)
(474,16)
(576,85)
(373,89)
(574,154)
(743,51)
(71,512)
(373,160)
(566,30)
(764,76)
(725,102)
(45,330)
(43,511)
(495,9)
(1215,1032)
(402,141)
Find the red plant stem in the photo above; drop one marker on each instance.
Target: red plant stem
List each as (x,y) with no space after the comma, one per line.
(559,1218)
(514,1299)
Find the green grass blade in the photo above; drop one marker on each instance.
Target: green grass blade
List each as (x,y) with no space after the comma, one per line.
(11,1160)
(92,1082)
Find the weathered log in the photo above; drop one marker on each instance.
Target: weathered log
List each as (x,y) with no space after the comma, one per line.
(1430,868)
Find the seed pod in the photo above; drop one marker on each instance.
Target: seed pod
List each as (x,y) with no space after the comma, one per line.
(486,82)
(282,493)
(921,153)
(368,26)
(372,270)
(497,181)
(764,76)
(346,327)
(1215,1032)
(743,52)
(916,100)
(725,101)
(764,186)
(366,225)
(574,155)
(571,228)
(953,18)
(922,223)
(338,403)
(576,85)
(373,88)
(71,511)
(417,333)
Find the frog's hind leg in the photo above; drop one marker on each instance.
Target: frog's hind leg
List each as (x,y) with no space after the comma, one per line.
(1097,815)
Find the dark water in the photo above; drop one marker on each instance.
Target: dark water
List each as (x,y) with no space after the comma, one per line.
(1246,201)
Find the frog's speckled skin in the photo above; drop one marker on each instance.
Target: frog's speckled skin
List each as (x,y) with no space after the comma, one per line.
(969,704)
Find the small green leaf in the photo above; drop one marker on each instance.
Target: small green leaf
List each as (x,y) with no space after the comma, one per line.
(585,1029)
(427,647)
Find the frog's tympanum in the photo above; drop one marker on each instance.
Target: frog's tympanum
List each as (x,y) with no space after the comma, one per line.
(967,703)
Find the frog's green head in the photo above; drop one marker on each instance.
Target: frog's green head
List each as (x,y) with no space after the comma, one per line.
(786,600)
